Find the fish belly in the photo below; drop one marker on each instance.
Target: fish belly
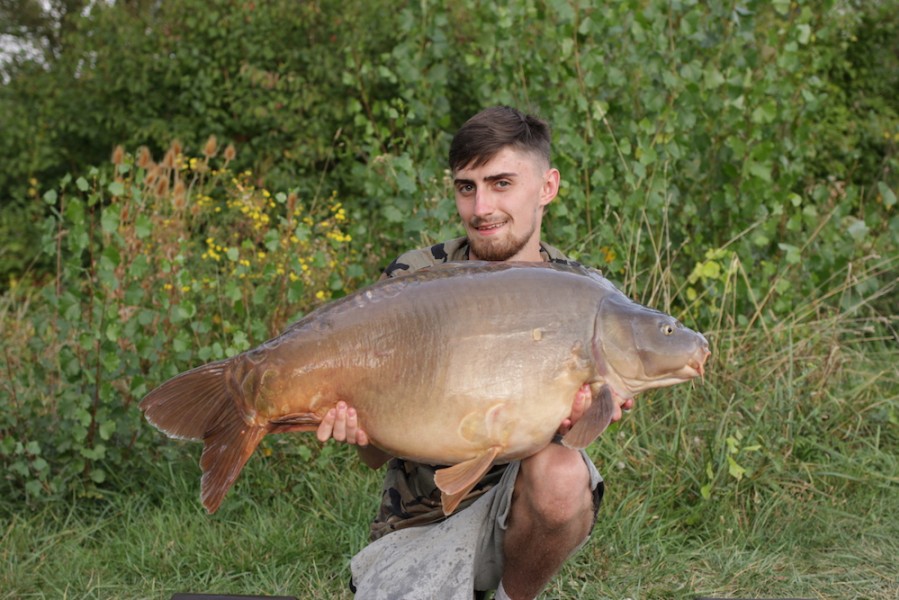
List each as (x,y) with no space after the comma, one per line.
(444,370)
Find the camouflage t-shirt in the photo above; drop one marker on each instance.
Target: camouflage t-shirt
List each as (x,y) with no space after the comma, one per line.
(409,496)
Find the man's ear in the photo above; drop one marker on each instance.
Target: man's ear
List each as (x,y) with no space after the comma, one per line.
(550,189)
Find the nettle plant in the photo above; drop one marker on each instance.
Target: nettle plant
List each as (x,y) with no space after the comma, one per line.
(160,266)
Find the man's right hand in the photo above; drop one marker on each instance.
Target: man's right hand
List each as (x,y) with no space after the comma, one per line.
(341,423)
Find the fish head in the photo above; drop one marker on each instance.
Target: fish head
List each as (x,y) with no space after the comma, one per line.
(638,348)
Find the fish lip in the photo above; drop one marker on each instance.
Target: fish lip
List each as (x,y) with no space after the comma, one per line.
(697,364)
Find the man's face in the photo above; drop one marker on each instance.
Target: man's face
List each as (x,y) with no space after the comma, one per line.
(501,204)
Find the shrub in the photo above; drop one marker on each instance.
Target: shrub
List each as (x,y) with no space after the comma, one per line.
(159,267)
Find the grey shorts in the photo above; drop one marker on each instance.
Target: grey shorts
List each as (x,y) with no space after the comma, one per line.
(450,559)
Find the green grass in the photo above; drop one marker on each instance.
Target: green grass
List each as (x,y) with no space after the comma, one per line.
(778,476)
(287,541)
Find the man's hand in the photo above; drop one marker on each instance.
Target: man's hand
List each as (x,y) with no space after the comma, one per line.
(341,423)
(582,400)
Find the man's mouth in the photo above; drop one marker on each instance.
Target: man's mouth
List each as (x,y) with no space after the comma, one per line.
(487,228)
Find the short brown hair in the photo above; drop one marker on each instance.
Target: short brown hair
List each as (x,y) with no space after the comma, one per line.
(494,128)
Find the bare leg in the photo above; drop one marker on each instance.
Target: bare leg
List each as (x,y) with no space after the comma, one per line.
(551,514)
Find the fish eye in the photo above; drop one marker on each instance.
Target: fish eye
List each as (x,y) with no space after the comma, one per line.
(667,329)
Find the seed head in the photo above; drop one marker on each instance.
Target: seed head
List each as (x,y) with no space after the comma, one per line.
(153,173)
(162,186)
(211,147)
(144,158)
(170,159)
(118,155)
(179,195)
(230,153)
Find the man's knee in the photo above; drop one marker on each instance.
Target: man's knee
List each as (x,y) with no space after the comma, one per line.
(555,484)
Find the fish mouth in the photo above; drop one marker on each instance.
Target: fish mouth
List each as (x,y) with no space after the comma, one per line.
(697,363)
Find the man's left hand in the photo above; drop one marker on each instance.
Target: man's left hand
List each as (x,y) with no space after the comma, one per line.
(582,400)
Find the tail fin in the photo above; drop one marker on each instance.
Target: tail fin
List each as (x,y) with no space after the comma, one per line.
(200,405)
(228,447)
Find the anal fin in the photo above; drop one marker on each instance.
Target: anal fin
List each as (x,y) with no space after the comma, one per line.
(593,422)
(456,481)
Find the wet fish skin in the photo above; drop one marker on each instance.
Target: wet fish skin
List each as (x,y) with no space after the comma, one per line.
(465,364)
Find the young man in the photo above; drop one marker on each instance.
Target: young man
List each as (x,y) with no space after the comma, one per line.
(523,520)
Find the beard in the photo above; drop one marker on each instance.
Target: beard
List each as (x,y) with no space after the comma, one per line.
(499,248)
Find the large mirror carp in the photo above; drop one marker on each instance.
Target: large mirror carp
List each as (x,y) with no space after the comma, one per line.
(466,364)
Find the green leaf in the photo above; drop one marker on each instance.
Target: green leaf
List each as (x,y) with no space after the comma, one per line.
(766,112)
(713,78)
(107,428)
(142,226)
(50,197)
(735,469)
(889,198)
(793,255)
(857,228)
(272,240)
(34,488)
(98,452)
(109,221)
(183,311)
(82,184)
(393,214)
(260,295)
(116,188)
(710,270)
(760,170)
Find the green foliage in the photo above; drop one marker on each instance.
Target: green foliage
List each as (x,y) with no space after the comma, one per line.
(159,267)
(733,164)
(680,129)
(764,129)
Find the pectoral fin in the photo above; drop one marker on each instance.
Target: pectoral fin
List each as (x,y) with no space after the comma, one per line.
(593,422)
(456,481)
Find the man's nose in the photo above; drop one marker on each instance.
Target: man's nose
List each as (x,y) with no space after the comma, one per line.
(483,203)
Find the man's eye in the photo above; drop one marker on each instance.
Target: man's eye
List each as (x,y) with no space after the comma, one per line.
(502,183)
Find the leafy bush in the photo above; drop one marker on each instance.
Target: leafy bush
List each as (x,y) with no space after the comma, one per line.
(682,129)
(160,266)
(688,132)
